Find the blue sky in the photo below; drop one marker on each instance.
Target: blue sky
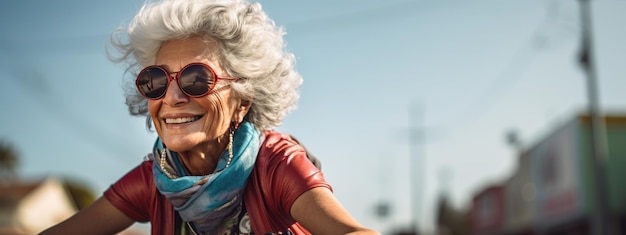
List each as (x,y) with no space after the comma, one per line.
(473,70)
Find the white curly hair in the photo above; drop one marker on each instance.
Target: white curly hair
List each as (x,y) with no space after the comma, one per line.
(250,46)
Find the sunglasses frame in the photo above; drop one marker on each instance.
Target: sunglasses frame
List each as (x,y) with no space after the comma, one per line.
(177,78)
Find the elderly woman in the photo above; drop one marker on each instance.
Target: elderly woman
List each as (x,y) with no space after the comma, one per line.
(214,80)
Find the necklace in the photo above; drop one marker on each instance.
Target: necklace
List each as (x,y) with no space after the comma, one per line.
(163,156)
(162,163)
(191,228)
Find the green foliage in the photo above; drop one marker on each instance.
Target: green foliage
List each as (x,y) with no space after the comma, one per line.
(9,160)
(80,193)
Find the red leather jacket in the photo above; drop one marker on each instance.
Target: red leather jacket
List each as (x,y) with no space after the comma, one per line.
(282,172)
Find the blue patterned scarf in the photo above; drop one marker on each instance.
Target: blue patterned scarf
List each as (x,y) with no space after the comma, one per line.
(210,201)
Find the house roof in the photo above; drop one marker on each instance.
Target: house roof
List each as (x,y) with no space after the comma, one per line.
(11,192)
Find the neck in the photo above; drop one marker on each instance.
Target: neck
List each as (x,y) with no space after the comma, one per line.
(202,160)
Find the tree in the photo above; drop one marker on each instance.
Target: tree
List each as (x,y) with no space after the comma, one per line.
(9,160)
(81,194)
(450,221)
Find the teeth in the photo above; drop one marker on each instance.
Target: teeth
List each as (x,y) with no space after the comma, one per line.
(180,120)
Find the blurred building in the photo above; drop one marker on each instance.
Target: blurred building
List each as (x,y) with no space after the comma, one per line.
(519,193)
(27,208)
(563,173)
(552,189)
(30,207)
(560,165)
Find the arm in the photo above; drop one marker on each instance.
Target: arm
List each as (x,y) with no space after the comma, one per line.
(101,217)
(321,213)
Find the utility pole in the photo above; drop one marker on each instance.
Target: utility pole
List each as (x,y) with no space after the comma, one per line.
(416,165)
(601,220)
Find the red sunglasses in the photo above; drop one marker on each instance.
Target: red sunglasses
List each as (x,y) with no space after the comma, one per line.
(195,80)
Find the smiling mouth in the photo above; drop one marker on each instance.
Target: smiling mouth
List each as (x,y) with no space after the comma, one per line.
(181,120)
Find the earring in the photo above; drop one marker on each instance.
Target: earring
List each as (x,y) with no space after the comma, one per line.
(233,127)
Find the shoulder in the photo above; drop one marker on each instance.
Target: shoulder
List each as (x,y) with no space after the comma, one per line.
(282,166)
(278,149)
(134,182)
(141,173)
(277,141)
(130,193)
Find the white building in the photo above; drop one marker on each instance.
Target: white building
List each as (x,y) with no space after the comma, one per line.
(30,207)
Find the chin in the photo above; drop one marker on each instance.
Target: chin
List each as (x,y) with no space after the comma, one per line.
(182,143)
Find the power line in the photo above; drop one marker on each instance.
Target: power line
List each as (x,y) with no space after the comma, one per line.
(364,17)
(514,69)
(33,82)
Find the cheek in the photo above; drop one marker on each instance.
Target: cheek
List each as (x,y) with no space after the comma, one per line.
(219,110)
(153,108)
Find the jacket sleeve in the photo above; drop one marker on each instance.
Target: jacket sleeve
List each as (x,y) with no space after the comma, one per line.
(292,174)
(130,193)
(282,173)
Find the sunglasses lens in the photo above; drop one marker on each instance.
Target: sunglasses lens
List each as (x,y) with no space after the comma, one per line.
(196,80)
(152,82)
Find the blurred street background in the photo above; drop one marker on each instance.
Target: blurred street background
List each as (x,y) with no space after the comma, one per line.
(429,117)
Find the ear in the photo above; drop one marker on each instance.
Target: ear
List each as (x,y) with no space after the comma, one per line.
(242,109)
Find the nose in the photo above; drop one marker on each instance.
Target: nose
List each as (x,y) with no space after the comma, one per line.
(174,95)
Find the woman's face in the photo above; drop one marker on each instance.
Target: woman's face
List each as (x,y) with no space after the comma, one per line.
(183,122)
